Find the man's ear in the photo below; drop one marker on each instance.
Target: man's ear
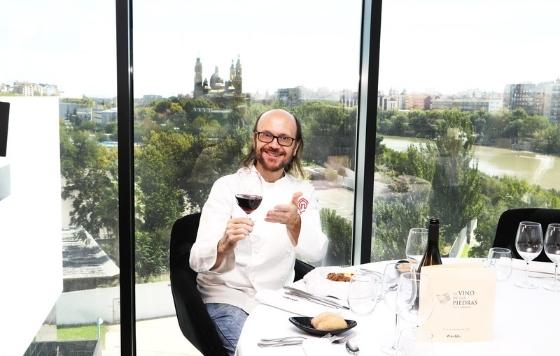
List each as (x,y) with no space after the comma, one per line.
(295,150)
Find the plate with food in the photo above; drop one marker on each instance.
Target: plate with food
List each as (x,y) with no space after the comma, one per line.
(329,281)
(322,324)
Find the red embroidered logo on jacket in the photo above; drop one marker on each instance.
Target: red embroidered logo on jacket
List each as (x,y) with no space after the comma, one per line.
(302,205)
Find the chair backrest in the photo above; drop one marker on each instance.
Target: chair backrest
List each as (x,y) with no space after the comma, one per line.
(509,221)
(194,321)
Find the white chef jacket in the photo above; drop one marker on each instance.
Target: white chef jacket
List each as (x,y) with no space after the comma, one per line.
(264,260)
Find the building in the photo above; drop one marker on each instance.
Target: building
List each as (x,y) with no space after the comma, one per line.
(34,89)
(217,87)
(526,96)
(468,104)
(289,96)
(105,117)
(552,101)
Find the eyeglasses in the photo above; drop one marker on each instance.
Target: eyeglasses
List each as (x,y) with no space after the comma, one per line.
(267,137)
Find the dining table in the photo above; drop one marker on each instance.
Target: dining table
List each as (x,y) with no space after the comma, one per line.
(526,321)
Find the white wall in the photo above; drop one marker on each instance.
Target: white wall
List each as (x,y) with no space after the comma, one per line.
(153,300)
(30,222)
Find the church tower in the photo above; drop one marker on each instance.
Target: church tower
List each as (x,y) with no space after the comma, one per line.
(198,91)
(237,80)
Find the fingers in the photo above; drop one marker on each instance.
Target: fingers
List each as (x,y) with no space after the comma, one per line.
(283,214)
(296,197)
(237,229)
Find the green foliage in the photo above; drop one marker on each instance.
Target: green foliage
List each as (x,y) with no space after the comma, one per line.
(339,232)
(392,220)
(329,130)
(81,332)
(90,176)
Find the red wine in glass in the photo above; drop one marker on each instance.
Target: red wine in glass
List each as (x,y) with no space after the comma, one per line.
(248,202)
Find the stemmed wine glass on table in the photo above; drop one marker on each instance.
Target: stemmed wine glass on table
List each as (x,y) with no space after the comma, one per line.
(249,190)
(390,282)
(552,250)
(529,244)
(416,245)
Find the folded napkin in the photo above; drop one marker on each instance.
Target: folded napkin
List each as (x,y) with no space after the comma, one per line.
(316,282)
(278,299)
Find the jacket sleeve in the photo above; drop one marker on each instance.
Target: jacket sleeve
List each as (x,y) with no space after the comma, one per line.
(213,221)
(312,243)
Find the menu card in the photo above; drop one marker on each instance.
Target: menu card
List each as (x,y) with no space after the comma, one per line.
(462,302)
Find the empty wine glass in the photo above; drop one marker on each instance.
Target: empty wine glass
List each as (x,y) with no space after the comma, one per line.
(499,258)
(416,245)
(390,283)
(249,190)
(414,307)
(364,290)
(552,250)
(529,244)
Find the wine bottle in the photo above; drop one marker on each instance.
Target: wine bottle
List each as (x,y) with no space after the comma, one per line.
(431,255)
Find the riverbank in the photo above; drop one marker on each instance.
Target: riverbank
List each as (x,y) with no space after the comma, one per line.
(535,168)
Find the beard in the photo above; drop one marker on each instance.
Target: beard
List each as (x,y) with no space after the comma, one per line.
(281,163)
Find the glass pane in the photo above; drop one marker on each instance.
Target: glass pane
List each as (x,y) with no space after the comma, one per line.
(468,120)
(58,73)
(204,71)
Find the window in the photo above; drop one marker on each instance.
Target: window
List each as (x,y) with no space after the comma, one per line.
(204,71)
(465,127)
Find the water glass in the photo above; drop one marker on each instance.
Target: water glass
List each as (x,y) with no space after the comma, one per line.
(552,250)
(499,259)
(416,244)
(529,244)
(364,292)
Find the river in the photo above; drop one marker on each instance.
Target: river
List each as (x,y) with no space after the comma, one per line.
(539,169)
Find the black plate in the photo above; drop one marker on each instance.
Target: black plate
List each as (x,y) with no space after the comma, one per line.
(304,323)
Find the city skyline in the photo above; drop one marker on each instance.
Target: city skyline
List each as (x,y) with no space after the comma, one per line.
(425,46)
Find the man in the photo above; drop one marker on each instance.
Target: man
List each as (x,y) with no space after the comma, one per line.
(233,268)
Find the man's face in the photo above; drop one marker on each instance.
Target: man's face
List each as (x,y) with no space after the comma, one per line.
(272,157)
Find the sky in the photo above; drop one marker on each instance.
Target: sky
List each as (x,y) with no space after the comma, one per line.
(426,45)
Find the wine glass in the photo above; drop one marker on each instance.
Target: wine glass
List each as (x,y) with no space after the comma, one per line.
(552,250)
(390,282)
(529,244)
(416,245)
(413,306)
(249,190)
(499,258)
(363,292)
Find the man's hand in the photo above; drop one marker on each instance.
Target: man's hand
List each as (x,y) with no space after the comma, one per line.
(287,214)
(237,229)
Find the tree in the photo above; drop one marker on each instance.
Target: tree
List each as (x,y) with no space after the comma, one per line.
(339,232)
(89,172)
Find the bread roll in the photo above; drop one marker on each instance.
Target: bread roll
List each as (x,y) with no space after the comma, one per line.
(328,321)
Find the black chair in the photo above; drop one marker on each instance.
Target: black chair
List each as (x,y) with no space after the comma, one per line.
(194,321)
(509,221)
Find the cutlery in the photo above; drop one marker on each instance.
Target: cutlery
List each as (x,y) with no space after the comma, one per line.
(280,343)
(283,338)
(351,347)
(313,298)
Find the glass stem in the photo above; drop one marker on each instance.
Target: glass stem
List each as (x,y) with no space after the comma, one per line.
(556,274)
(396,333)
(527,272)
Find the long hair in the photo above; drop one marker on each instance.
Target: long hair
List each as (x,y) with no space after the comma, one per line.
(294,167)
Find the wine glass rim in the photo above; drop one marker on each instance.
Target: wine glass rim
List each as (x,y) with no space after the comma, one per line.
(530,223)
(554,224)
(500,249)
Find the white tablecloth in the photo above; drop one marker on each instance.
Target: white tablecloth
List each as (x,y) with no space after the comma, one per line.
(526,322)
